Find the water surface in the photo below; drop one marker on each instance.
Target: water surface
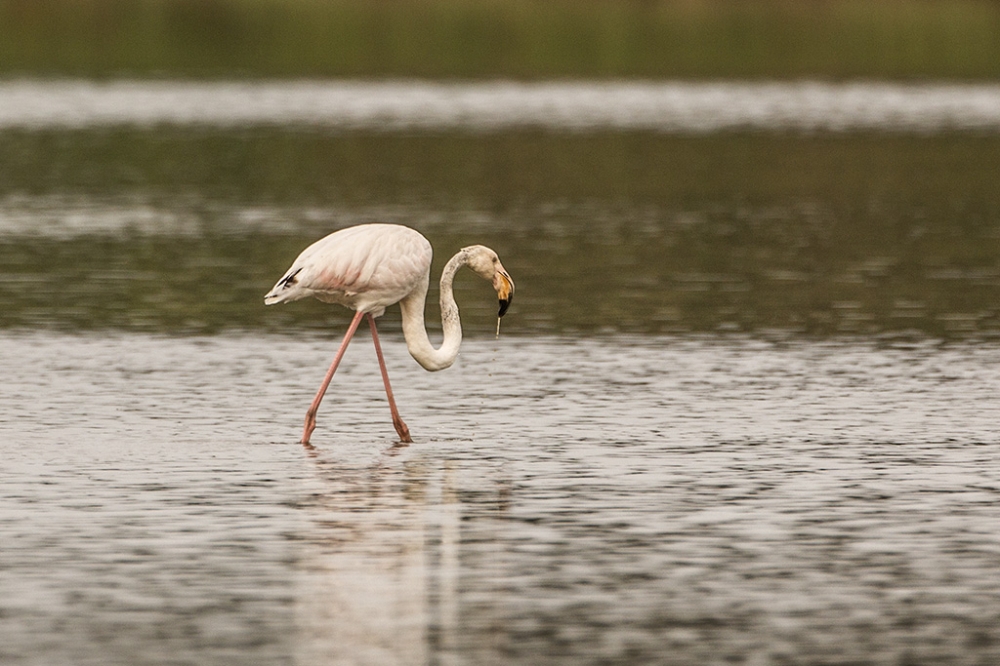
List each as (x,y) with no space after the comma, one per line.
(619,500)
(183,230)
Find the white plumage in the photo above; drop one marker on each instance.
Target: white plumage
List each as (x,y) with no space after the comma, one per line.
(367,268)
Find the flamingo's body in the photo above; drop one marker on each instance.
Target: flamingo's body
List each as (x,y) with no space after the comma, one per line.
(368,268)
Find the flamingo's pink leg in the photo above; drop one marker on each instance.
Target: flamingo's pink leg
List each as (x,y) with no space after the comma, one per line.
(401,429)
(311,414)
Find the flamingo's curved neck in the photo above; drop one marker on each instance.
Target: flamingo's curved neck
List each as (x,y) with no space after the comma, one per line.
(414,330)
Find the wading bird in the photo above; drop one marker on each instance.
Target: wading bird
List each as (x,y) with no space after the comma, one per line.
(368,268)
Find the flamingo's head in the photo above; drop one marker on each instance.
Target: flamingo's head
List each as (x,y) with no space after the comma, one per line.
(486,264)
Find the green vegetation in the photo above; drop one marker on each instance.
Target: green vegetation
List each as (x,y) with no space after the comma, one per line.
(521,39)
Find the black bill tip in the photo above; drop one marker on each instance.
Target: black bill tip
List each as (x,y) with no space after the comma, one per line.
(504,304)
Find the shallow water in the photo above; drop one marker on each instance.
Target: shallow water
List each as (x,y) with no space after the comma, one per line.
(612,500)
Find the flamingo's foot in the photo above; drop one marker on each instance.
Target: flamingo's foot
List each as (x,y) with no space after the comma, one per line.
(307,430)
(402,431)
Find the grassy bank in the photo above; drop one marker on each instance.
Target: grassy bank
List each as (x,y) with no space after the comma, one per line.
(523,39)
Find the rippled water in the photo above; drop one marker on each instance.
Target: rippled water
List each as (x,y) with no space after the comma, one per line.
(671,106)
(616,500)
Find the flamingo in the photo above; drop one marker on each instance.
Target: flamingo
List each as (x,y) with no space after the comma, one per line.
(372,266)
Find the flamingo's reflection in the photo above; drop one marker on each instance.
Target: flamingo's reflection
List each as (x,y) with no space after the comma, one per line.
(379,575)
